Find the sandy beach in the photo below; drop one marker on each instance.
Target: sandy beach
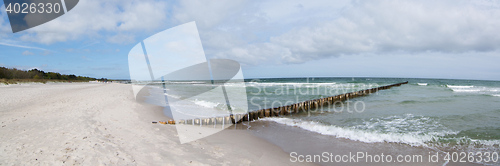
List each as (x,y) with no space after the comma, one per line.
(102,124)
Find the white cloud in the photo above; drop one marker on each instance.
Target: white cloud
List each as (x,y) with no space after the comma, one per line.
(4,24)
(390,26)
(28,53)
(381,27)
(299,12)
(291,31)
(16,44)
(91,18)
(46,52)
(297,32)
(121,39)
(254,54)
(208,14)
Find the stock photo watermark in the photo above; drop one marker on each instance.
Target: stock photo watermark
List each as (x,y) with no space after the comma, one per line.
(266,95)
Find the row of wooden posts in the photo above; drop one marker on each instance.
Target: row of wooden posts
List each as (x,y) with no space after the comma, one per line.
(279,111)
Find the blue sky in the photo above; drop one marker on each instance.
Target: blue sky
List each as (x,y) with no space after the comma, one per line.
(424,39)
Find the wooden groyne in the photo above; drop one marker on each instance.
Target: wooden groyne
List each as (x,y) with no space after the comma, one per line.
(280,111)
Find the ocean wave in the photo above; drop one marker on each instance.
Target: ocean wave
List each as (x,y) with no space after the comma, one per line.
(409,102)
(422,84)
(215,105)
(466,90)
(458,86)
(405,129)
(206,109)
(218,106)
(474,89)
(465,144)
(206,104)
(363,135)
(173,96)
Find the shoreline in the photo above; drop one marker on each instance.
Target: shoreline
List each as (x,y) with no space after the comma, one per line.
(91,124)
(292,139)
(240,143)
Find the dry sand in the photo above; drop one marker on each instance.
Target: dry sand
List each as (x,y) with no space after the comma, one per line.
(102,124)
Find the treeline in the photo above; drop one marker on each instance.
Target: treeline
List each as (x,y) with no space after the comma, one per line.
(6,73)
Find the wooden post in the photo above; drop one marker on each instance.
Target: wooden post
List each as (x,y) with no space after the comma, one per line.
(308,105)
(276,112)
(303,106)
(245,118)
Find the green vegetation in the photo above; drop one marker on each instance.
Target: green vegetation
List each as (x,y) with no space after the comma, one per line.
(13,76)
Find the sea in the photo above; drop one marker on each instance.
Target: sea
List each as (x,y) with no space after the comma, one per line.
(444,115)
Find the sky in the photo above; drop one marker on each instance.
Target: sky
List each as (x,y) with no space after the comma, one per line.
(284,38)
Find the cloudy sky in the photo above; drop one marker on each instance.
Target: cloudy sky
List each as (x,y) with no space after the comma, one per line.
(288,38)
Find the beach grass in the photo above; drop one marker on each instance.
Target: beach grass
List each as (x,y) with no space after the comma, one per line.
(18,81)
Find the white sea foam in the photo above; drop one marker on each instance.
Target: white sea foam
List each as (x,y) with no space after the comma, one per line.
(370,136)
(474,89)
(496,95)
(422,84)
(217,105)
(485,142)
(173,96)
(206,104)
(466,90)
(458,87)
(407,129)
(202,108)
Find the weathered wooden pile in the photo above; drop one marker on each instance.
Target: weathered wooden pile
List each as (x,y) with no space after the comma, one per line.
(280,111)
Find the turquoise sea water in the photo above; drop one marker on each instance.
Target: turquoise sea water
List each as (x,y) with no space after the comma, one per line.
(437,113)
(442,114)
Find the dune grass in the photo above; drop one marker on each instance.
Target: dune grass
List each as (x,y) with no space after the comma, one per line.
(17,81)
